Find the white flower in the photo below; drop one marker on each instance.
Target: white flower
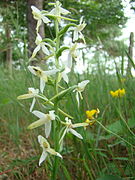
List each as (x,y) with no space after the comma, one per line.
(64,75)
(43,75)
(46,149)
(80,88)
(70,128)
(39,16)
(40,45)
(71,54)
(58,10)
(43,119)
(32,93)
(78,29)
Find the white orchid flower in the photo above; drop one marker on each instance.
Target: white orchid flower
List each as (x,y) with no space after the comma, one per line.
(78,29)
(40,45)
(32,93)
(46,149)
(65,70)
(43,75)
(58,10)
(45,119)
(70,128)
(65,76)
(39,16)
(71,54)
(80,88)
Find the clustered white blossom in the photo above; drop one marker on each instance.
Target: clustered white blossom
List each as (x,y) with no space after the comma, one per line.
(47,119)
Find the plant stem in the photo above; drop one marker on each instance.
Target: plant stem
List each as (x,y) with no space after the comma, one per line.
(56,130)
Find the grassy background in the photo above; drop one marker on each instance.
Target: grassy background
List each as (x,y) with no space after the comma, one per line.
(99,153)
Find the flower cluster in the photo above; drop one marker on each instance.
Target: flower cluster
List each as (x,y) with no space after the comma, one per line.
(52,48)
(91,116)
(118,93)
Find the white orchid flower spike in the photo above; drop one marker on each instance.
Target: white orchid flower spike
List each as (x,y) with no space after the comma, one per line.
(40,45)
(45,119)
(43,75)
(58,10)
(46,149)
(80,88)
(78,29)
(39,16)
(32,93)
(70,128)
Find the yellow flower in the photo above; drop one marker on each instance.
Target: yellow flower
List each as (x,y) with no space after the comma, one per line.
(91,115)
(118,93)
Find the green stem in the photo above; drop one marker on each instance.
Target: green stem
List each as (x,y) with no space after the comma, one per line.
(119,110)
(52,104)
(56,130)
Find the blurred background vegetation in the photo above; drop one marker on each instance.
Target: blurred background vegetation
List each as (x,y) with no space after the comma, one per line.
(107,62)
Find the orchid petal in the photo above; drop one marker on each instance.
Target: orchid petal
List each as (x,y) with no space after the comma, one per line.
(39,114)
(45,50)
(75,133)
(45,20)
(38,123)
(35,51)
(32,105)
(42,85)
(51,72)
(25,96)
(65,77)
(47,128)
(43,157)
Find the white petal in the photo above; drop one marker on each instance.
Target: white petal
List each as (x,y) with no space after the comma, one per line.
(69,62)
(32,105)
(33,91)
(65,77)
(79,125)
(31,69)
(51,72)
(63,135)
(59,155)
(42,85)
(63,11)
(75,35)
(38,39)
(77,98)
(53,11)
(39,114)
(52,114)
(83,84)
(45,50)
(45,19)
(25,96)
(35,51)
(48,128)
(39,22)
(53,152)
(75,133)
(42,140)
(43,157)
(36,10)
(37,123)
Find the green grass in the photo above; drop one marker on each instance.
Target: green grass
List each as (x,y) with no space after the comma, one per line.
(99,153)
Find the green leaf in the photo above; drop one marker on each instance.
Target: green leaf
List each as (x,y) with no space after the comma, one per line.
(64,30)
(51,42)
(59,52)
(109,177)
